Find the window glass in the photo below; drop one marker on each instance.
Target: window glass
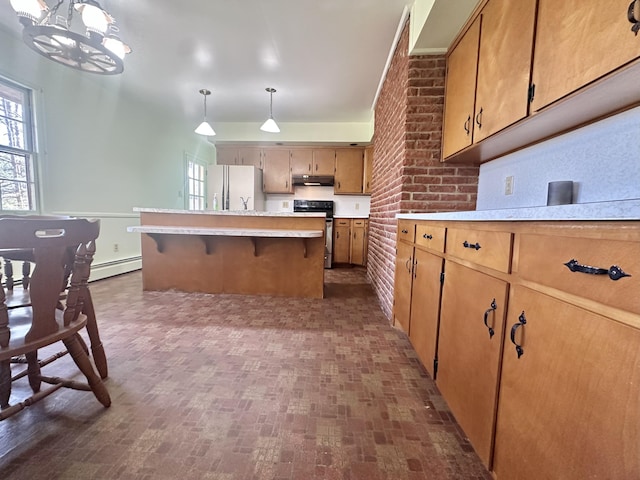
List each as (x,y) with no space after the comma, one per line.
(17,173)
(195,181)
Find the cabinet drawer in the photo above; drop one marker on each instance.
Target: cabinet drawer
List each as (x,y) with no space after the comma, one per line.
(430,236)
(341,222)
(489,249)
(545,259)
(406,230)
(358,222)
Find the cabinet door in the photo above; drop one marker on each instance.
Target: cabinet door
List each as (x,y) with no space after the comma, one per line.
(402,286)
(341,241)
(226,156)
(577,42)
(504,65)
(324,161)
(349,170)
(460,92)
(250,156)
(468,355)
(425,307)
(301,161)
(368,170)
(276,176)
(358,235)
(569,407)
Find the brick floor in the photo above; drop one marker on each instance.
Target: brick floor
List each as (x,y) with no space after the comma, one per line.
(232,387)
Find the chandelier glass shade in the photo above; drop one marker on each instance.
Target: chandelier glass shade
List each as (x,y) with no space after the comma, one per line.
(204,128)
(270,125)
(96,49)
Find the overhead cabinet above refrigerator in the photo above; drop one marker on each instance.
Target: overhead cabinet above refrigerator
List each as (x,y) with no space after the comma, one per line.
(234,187)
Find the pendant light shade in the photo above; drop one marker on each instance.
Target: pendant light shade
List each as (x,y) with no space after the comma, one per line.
(270,125)
(204,128)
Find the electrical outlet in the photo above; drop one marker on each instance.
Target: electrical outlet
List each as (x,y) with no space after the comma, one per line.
(357,206)
(508,185)
(285,204)
(116,247)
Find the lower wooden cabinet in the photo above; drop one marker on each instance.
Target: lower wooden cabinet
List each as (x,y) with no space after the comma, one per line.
(536,339)
(350,241)
(469,351)
(570,401)
(425,307)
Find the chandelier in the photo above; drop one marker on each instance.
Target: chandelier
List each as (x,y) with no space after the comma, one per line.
(97,50)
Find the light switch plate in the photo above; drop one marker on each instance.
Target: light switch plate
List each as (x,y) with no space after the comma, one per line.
(508,185)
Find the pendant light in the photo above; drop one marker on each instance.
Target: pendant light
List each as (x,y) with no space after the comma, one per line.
(204,128)
(270,125)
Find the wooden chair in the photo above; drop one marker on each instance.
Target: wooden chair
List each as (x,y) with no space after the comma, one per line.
(25,329)
(19,297)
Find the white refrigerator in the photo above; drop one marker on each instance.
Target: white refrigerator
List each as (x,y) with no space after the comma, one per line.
(234,187)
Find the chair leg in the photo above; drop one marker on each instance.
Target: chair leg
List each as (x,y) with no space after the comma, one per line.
(97,350)
(33,371)
(84,364)
(5,383)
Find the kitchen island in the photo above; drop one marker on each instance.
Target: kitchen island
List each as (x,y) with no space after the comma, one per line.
(244,252)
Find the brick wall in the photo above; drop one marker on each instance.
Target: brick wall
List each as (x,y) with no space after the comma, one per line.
(408,176)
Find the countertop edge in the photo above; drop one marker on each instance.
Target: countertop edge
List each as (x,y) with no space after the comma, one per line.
(622,210)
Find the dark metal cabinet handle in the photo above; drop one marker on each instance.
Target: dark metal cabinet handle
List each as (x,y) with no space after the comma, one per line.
(614,272)
(486,315)
(633,15)
(521,321)
(415,269)
(405,231)
(428,237)
(475,246)
(406,264)
(467,125)
(479,118)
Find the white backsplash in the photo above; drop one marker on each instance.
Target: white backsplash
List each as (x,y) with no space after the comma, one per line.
(602,159)
(344,205)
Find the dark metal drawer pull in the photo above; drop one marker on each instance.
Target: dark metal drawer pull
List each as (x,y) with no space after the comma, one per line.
(428,237)
(521,321)
(475,246)
(405,231)
(633,14)
(486,315)
(614,272)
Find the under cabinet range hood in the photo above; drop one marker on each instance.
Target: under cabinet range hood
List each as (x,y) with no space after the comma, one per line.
(312,180)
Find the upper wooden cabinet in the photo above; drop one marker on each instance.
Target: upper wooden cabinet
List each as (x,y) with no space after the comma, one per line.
(368,170)
(577,42)
(277,175)
(349,170)
(488,74)
(324,161)
(307,161)
(233,155)
(583,67)
(459,101)
(504,65)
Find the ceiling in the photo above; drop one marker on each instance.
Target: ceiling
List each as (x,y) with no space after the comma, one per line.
(325,58)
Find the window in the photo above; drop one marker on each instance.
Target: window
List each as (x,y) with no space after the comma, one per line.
(196,184)
(17,176)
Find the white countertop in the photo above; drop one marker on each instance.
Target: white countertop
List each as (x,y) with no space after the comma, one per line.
(614,210)
(248,213)
(226,232)
(352,216)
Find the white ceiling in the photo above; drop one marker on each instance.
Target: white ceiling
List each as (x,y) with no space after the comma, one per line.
(325,58)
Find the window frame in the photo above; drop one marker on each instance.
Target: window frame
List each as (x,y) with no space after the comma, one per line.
(29,152)
(188,183)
